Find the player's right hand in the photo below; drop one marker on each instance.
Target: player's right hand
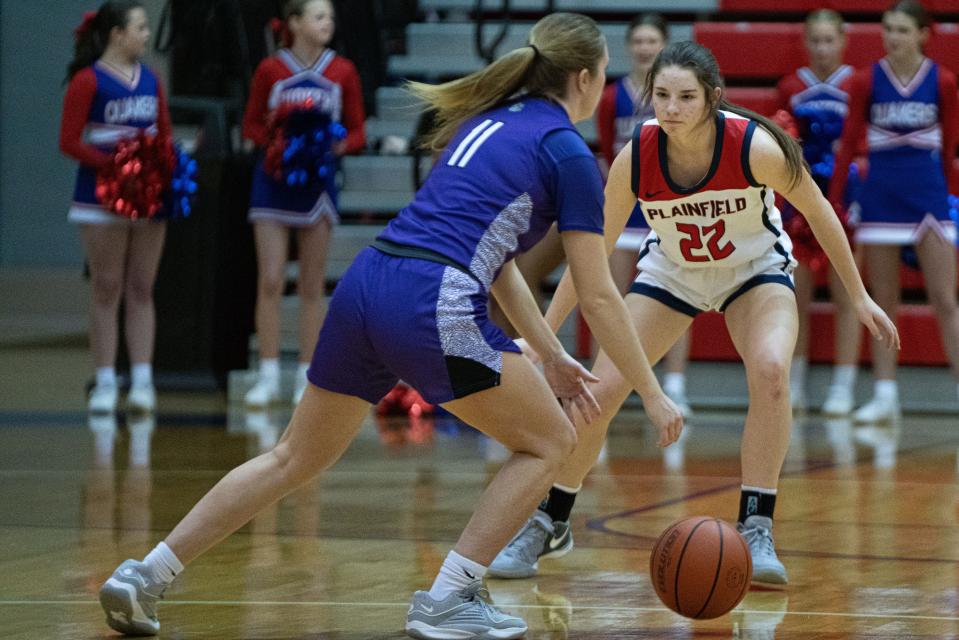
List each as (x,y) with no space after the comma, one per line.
(665,416)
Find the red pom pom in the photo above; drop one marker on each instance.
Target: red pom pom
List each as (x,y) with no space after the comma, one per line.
(132,185)
(806,248)
(787,122)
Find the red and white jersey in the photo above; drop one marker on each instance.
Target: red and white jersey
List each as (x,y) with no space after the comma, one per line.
(725,220)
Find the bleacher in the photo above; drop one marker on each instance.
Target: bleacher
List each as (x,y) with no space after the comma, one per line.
(755,41)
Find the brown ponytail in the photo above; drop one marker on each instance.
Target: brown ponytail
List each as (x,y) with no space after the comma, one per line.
(560,44)
(93,35)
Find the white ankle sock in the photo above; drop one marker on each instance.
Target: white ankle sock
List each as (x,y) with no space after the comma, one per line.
(844,375)
(141,375)
(886,389)
(106,377)
(270,369)
(674,383)
(456,573)
(301,370)
(163,563)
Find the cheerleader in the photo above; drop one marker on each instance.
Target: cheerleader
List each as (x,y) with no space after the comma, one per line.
(110,97)
(305,75)
(815,98)
(907,105)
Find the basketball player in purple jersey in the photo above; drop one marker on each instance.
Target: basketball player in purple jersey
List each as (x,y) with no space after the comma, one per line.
(413,306)
(112,97)
(704,172)
(907,106)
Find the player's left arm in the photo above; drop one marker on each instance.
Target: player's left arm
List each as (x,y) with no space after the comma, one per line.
(768,165)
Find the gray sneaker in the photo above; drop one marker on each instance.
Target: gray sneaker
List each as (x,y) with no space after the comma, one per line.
(539,538)
(130,597)
(465,614)
(767,569)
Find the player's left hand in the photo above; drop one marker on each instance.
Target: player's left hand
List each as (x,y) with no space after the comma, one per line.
(567,378)
(880,326)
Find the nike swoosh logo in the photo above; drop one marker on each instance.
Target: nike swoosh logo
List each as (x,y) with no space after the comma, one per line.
(556,541)
(469,575)
(653,194)
(428,609)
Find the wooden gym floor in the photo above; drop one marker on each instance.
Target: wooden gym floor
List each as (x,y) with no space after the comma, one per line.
(866,523)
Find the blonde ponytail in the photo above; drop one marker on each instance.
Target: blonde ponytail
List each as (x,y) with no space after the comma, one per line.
(560,44)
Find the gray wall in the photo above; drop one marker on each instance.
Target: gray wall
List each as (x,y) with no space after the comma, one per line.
(36,182)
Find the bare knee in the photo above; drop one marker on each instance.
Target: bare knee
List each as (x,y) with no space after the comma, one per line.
(271,287)
(768,376)
(139,292)
(559,445)
(296,466)
(943,302)
(106,290)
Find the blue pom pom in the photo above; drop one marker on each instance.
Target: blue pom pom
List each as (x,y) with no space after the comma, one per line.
(183,185)
(308,159)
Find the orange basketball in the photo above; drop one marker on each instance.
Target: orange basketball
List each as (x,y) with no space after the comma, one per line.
(700,567)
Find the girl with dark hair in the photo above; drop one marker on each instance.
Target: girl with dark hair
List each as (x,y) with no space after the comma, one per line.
(621,108)
(814,95)
(906,105)
(308,74)
(414,306)
(704,172)
(110,97)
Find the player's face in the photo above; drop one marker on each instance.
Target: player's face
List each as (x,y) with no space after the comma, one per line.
(133,38)
(679,100)
(316,24)
(825,44)
(901,36)
(644,43)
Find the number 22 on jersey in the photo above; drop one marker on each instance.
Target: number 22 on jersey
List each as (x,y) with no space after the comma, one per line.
(692,245)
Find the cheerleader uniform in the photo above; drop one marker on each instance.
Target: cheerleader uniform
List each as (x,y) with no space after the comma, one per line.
(912,140)
(102,107)
(414,304)
(714,241)
(621,108)
(331,85)
(820,108)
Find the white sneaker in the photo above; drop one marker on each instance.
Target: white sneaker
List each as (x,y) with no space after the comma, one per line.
(142,398)
(103,399)
(839,401)
(265,392)
(299,388)
(878,410)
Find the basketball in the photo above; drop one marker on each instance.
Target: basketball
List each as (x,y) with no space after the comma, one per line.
(700,567)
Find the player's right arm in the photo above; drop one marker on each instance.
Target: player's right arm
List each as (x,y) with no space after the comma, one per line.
(601,303)
(76,110)
(257,107)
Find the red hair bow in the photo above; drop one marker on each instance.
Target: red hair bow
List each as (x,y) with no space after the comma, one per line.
(89,17)
(281,31)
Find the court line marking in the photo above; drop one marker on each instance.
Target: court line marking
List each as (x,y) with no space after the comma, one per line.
(505,605)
